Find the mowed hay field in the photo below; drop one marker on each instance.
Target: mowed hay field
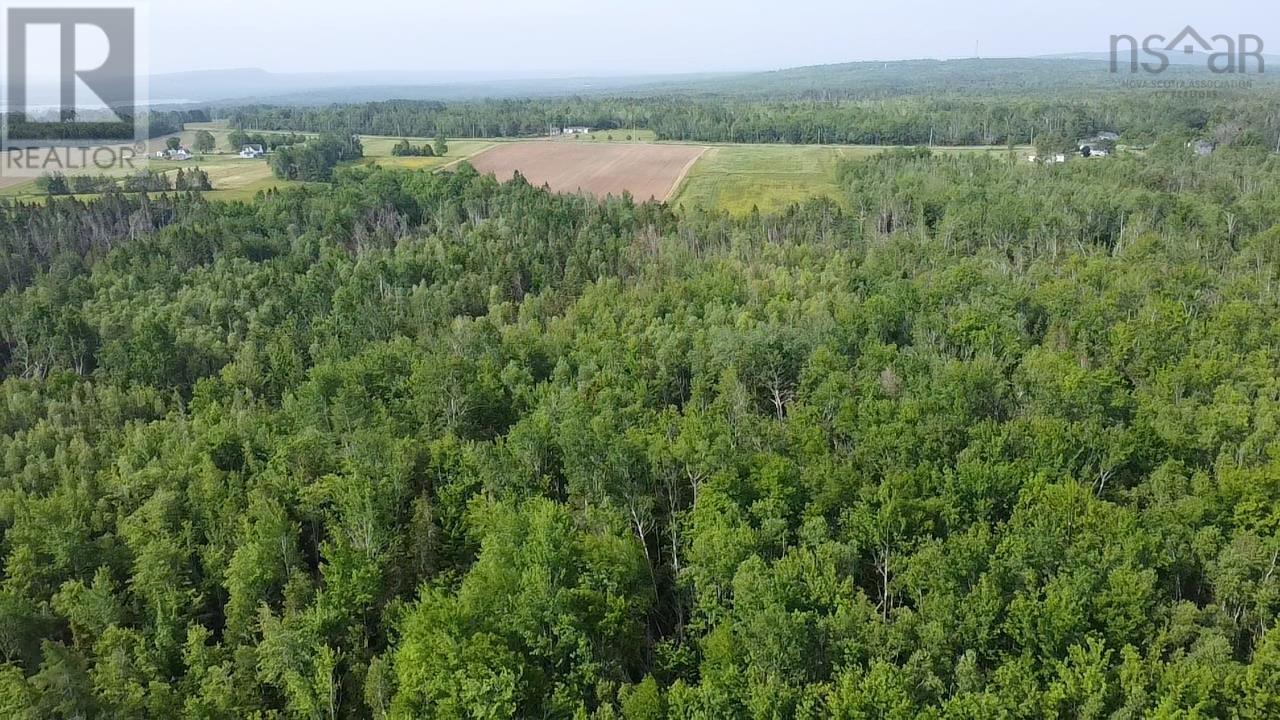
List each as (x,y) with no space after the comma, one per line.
(646,171)
(377,149)
(738,178)
(233,178)
(624,135)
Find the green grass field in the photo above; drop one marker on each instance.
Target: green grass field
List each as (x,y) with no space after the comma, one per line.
(377,149)
(737,178)
(233,177)
(627,135)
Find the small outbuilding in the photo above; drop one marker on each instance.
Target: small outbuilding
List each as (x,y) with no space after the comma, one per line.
(1203,148)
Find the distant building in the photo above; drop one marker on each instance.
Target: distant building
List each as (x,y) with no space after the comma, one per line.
(252,151)
(1203,148)
(577,130)
(181,153)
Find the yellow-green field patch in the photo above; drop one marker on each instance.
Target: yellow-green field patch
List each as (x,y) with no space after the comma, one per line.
(737,178)
(378,149)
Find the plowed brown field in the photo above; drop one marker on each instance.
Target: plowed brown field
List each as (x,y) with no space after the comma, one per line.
(646,171)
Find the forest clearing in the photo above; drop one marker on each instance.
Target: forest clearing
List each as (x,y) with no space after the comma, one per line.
(647,171)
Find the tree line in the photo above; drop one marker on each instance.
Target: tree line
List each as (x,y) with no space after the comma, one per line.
(158,124)
(54,184)
(315,159)
(239,139)
(404,148)
(1243,117)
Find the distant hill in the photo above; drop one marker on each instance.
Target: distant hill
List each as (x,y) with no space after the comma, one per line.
(974,76)
(248,85)
(1063,74)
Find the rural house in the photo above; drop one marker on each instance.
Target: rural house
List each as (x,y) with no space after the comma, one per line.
(252,151)
(577,130)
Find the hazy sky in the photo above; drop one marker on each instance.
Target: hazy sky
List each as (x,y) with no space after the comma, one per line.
(532,38)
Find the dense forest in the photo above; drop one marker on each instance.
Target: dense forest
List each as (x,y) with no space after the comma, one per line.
(913,103)
(916,121)
(985,439)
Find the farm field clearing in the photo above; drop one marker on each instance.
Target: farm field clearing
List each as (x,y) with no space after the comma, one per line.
(734,178)
(22,185)
(737,178)
(233,177)
(644,170)
(378,149)
(624,135)
(237,178)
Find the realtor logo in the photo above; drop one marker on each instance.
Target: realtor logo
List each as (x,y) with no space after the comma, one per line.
(1225,54)
(73,82)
